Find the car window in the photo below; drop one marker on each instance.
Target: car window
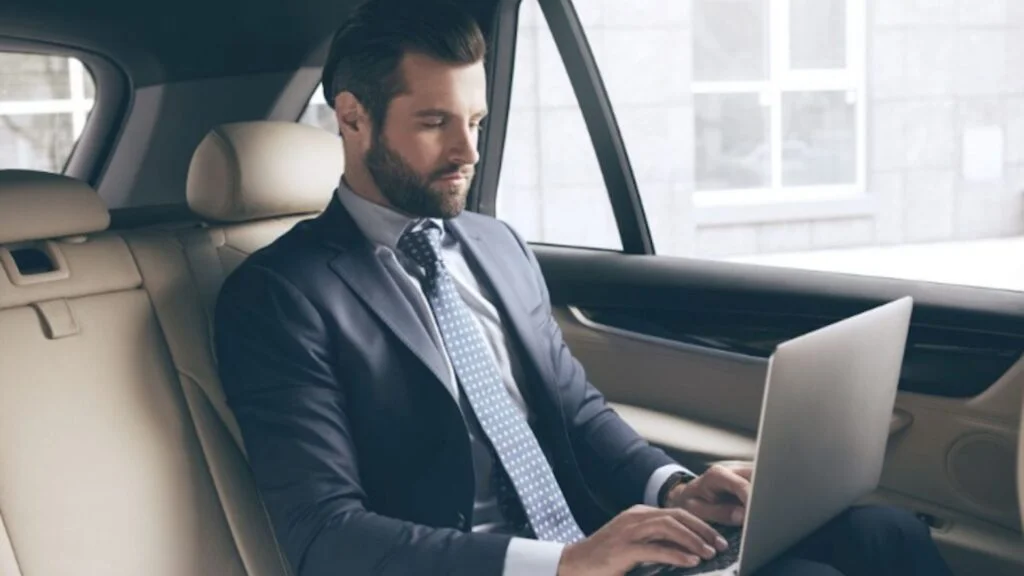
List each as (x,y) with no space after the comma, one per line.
(318,113)
(45,101)
(551,189)
(869,137)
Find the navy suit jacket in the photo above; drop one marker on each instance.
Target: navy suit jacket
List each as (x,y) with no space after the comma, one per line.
(359,450)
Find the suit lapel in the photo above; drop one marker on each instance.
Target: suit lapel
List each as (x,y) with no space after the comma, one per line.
(507,288)
(359,267)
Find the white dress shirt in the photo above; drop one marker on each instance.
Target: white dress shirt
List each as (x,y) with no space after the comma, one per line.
(383,227)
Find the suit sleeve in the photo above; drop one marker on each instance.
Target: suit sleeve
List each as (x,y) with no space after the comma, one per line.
(290,399)
(613,458)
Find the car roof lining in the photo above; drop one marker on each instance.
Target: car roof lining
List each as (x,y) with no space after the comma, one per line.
(191,39)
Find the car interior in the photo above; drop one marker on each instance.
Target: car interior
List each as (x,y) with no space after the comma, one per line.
(118,453)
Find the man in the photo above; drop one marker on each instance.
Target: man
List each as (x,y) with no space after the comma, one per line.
(406,399)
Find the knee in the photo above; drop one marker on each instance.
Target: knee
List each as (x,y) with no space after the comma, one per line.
(797,567)
(886,528)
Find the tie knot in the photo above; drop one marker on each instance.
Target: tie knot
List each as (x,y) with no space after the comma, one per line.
(423,245)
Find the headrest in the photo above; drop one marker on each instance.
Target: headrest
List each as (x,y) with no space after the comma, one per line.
(41,206)
(253,170)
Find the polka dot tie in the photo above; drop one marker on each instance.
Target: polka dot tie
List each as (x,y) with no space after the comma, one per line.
(503,423)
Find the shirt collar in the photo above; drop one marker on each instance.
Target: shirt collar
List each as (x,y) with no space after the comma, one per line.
(381,225)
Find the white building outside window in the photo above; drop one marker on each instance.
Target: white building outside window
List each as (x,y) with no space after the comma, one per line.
(45,103)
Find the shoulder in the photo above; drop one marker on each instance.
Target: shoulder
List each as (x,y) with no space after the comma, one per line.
(287,262)
(492,230)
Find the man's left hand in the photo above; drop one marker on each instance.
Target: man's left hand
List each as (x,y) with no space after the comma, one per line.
(720,495)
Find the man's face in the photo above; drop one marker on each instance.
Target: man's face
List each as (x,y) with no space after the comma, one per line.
(423,158)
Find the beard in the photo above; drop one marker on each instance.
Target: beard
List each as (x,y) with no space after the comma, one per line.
(409,192)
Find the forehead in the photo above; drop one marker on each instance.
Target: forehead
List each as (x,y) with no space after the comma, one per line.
(429,82)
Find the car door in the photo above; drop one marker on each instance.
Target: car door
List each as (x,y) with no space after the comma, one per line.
(703,180)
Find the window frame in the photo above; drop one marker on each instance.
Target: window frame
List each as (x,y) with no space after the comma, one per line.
(588,87)
(100,128)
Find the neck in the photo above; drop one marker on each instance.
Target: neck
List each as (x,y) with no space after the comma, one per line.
(359,181)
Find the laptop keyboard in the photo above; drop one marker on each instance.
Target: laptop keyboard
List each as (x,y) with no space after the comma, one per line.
(732,534)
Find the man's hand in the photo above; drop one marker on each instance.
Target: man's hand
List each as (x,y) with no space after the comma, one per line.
(642,534)
(720,495)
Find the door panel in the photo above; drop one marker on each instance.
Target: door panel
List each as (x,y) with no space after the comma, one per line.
(688,439)
(961,453)
(685,364)
(656,374)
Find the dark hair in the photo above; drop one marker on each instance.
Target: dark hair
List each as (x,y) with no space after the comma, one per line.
(366,51)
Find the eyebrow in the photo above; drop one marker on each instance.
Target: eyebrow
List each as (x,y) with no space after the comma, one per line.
(430,112)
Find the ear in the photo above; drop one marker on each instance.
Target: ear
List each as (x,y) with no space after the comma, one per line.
(352,117)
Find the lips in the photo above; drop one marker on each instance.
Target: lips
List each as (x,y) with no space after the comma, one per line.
(453,177)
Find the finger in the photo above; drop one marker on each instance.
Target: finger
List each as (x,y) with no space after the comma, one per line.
(636,514)
(746,472)
(641,552)
(699,527)
(727,514)
(671,530)
(721,479)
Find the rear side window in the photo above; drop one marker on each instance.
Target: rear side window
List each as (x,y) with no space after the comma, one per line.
(318,113)
(45,101)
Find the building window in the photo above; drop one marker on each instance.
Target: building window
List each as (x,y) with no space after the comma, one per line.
(45,101)
(778,99)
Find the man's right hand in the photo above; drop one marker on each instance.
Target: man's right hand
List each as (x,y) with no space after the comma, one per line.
(639,535)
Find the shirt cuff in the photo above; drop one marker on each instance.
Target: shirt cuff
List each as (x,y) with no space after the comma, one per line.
(526,557)
(658,479)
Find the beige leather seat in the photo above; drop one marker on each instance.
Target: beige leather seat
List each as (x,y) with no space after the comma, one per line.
(251,182)
(118,455)
(111,463)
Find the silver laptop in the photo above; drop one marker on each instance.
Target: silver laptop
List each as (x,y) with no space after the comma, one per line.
(828,401)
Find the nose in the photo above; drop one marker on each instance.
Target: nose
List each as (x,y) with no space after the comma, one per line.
(463,147)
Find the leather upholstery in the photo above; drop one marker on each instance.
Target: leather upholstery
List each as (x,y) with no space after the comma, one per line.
(38,205)
(8,563)
(116,448)
(97,265)
(100,459)
(252,170)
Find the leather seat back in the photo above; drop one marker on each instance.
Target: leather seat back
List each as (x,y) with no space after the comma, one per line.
(251,182)
(110,462)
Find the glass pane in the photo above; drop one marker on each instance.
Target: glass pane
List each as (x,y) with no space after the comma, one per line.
(551,188)
(820,142)
(33,77)
(319,114)
(45,103)
(817,31)
(732,149)
(730,40)
(36,141)
(90,85)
